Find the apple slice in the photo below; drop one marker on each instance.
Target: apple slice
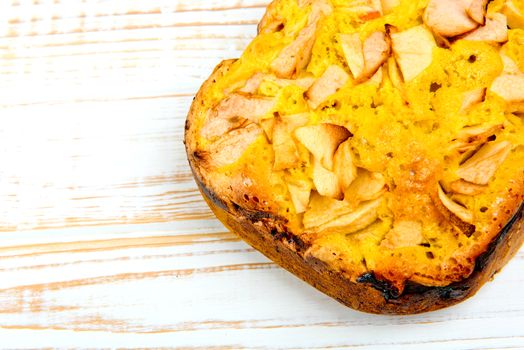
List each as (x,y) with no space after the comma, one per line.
(467,188)
(286,151)
(376,50)
(449,18)
(510,84)
(359,219)
(366,186)
(296,56)
(514,15)
(378,77)
(395,77)
(318,8)
(231,146)
(458,216)
(471,137)
(364,59)
(326,214)
(233,112)
(300,192)
(510,66)
(472,98)
(477,11)
(322,140)
(268,125)
(484,163)
(326,182)
(322,209)
(495,30)
(329,83)
(458,210)
(344,165)
(413,50)
(354,53)
(252,85)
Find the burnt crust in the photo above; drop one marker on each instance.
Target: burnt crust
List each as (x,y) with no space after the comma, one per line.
(368,294)
(268,234)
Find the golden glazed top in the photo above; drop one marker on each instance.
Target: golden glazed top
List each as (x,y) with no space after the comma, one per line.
(387,134)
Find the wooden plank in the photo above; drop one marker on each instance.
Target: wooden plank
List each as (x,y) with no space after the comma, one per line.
(104,238)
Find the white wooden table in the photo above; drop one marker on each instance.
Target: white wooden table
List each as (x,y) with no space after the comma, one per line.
(104,238)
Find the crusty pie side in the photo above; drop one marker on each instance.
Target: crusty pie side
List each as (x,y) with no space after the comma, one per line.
(373,148)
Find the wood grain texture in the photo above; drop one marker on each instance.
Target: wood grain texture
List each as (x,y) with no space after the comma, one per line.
(104,238)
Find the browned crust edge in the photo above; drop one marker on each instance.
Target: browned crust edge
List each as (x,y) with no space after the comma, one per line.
(268,235)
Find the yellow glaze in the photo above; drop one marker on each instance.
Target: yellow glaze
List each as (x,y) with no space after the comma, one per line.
(391,136)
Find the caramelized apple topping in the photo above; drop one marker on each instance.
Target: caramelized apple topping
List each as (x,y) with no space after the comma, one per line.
(450,18)
(471,137)
(235,111)
(268,125)
(329,83)
(230,147)
(471,98)
(322,140)
(326,182)
(458,216)
(510,84)
(413,50)
(354,53)
(252,84)
(494,31)
(334,194)
(296,56)
(364,59)
(286,151)
(344,165)
(395,76)
(336,216)
(467,188)
(484,163)
(366,186)
(477,11)
(300,192)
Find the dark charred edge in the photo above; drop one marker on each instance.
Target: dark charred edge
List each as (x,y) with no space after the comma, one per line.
(293,240)
(388,291)
(458,290)
(254,215)
(206,191)
(391,294)
(234,209)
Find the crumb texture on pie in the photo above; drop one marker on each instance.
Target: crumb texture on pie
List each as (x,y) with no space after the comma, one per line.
(388,135)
